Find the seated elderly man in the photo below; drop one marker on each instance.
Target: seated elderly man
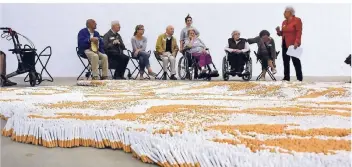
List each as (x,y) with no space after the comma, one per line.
(4,81)
(91,45)
(167,48)
(114,47)
(237,48)
(266,51)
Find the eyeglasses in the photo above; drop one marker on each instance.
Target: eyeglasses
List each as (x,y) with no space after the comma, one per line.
(189,20)
(140,29)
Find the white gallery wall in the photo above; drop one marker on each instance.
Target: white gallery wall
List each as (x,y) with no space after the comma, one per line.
(326,35)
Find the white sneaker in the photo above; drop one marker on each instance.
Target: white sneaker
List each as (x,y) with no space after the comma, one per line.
(273,70)
(141,78)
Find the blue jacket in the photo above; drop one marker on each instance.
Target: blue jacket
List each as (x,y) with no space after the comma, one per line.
(84,41)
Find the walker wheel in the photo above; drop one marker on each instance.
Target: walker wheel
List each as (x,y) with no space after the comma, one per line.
(39,78)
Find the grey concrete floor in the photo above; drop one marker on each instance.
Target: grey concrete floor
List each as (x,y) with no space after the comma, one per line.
(15,154)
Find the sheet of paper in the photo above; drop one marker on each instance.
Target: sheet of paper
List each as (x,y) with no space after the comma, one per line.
(291,51)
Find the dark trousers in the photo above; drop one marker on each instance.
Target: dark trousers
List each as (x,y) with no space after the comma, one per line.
(190,62)
(296,64)
(237,61)
(264,59)
(118,62)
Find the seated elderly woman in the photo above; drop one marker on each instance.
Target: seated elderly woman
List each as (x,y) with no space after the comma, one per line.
(4,81)
(237,48)
(198,50)
(266,51)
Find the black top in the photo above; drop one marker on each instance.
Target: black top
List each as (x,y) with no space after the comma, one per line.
(168,45)
(240,45)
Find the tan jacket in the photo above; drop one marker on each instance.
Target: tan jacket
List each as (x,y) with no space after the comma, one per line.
(161,45)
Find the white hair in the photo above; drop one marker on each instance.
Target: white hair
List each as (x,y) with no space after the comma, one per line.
(115,22)
(290,9)
(234,31)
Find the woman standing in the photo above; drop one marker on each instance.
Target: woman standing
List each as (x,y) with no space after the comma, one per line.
(139,45)
(291,33)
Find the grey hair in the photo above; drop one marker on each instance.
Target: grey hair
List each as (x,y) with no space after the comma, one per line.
(233,32)
(115,22)
(290,9)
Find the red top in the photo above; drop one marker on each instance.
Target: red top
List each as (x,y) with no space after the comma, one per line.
(291,31)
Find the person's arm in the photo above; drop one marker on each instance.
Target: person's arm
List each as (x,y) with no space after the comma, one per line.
(197,32)
(253,40)
(101,44)
(122,45)
(273,49)
(227,48)
(175,49)
(278,31)
(182,39)
(202,44)
(158,45)
(246,47)
(298,27)
(83,40)
(134,44)
(107,43)
(144,46)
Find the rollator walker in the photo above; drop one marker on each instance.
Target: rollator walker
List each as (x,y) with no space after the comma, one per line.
(25,56)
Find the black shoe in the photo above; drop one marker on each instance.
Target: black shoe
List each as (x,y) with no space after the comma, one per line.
(164,76)
(9,83)
(214,73)
(285,79)
(123,78)
(173,77)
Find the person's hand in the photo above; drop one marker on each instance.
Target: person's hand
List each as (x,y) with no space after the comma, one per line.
(238,51)
(116,41)
(295,46)
(94,39)
(136,52)
(235,50)
(204,51)
(278,28)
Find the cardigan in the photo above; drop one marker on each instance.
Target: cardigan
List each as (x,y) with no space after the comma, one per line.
(160,46)
(291,31)
(84,41)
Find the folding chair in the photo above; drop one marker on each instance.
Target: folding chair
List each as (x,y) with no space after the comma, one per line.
(267,68)
(87,67)
(26,79)
(135,63)
(157,56)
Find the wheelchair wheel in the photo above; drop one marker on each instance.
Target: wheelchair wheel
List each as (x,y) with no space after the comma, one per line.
(249,68)
(32,78)
(225,66)
(182,68)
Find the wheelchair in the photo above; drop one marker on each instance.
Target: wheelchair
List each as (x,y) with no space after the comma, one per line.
(226,70)
(184,68)
(25,55)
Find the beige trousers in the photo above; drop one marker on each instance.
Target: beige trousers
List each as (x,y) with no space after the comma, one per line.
(94,60)
(169,58)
